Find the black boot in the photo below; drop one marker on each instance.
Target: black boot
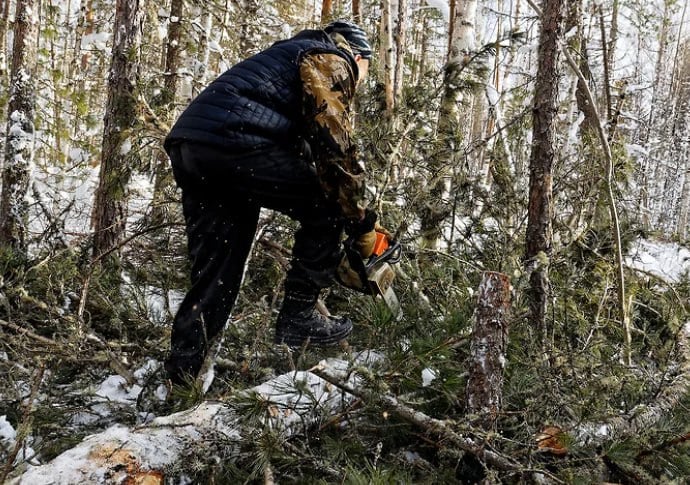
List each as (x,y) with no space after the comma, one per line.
(299,321)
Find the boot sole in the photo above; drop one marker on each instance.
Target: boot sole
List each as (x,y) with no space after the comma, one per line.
(297,340)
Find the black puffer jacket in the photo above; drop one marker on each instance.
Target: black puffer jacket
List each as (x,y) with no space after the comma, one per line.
(256,103)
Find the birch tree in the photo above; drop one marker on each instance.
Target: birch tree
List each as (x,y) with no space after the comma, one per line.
(386,56)
(19,147)
(462,45)
(400,50)
(110,206)
(540,206)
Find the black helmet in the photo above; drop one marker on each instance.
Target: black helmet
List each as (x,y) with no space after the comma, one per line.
(354,35)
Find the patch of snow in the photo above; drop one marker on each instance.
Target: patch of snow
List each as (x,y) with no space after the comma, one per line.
(666,260)
(115,389)
(149,367)
(428,376)
(126,146)
(7,432)
(97,41)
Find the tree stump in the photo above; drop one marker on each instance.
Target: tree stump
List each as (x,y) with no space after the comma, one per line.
(483,395)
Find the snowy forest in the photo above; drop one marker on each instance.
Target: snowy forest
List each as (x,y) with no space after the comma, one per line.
(533,159)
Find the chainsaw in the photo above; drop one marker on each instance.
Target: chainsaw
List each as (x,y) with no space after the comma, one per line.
(374,275)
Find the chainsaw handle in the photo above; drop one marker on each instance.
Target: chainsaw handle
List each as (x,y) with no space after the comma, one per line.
(390,255)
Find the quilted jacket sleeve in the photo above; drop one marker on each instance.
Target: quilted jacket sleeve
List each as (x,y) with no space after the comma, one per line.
(329,85)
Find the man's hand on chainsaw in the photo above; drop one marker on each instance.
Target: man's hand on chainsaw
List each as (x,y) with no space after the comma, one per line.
(364,233)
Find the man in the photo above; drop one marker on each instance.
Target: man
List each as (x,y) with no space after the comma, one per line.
(273,131)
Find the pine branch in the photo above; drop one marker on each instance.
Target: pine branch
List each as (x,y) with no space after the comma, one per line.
(433,426)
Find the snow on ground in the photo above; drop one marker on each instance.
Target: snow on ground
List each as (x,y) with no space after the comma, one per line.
(669,261)
(666,260)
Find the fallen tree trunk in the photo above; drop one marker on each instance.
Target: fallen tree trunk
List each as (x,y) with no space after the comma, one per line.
(292,401)
(144,454)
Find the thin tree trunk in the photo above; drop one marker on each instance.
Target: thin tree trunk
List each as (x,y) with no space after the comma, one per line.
(163,183)
(484,392)
(435,211)
(386,56)
(613,211)
(4,23)
(19,146)
(607,65)
(540,206)
(400,51)
(613,36)
(110,206)
(326,11)
(357,10)
(646,203)
(84,27)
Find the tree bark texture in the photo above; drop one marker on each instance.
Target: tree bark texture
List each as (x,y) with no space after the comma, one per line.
(163,184)
(110,207)
(400,41)
(540,205)
(326,11)
(435,211)
(19,142)
(484,391)
(386,56)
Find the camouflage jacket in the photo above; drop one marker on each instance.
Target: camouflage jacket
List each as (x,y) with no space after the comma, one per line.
(328,82)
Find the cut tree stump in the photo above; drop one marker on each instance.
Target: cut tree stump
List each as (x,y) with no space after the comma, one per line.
(483,395)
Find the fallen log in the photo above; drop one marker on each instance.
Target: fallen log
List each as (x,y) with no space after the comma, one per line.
(143,454)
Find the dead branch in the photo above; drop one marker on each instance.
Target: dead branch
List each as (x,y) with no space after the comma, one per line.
(29,333)
(442,429)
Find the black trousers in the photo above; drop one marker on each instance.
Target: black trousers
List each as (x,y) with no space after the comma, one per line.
(222,194)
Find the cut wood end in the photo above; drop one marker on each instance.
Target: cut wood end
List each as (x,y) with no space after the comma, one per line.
(124,465)
(551,440)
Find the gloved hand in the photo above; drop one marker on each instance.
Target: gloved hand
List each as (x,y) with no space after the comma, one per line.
(364,244)
(363,232)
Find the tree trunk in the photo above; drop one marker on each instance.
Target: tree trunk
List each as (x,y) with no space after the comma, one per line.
(110,206)
(163,184)
(484,391)
(435,211)
(400,52)
(648,191)
(4,23)
(326,11)
(357,11)
(386,56)
(540,205)
(19,146)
